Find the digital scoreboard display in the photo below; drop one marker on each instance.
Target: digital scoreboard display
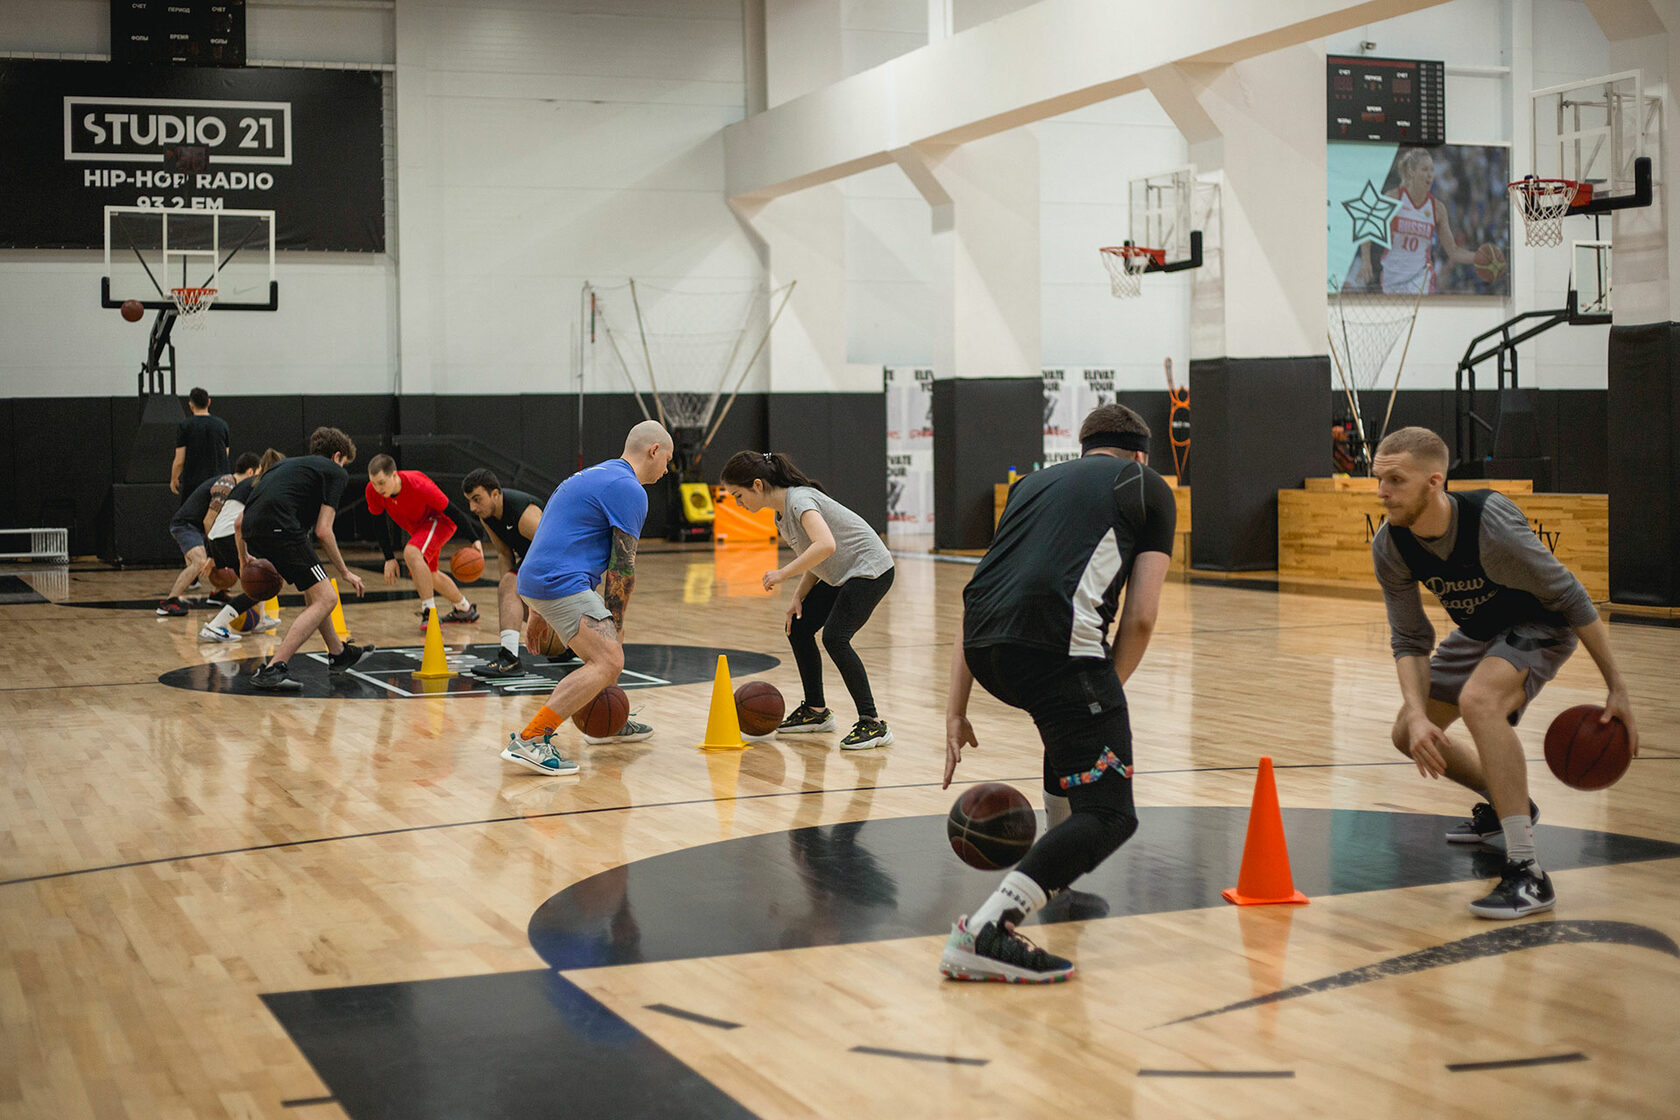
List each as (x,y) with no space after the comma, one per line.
(178,32)
(1392,100)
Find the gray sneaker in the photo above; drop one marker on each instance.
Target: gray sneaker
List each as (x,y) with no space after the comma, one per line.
(537,755)
(631,732)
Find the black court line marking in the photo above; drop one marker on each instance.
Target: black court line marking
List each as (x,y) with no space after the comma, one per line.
(1263,1073)
(692,1016)
(911,1055)
(305,1102)
(1516,1063)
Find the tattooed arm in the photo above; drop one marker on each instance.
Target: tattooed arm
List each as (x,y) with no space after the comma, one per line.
(620,577)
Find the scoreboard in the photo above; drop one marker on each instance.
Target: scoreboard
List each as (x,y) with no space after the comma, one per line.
(1393,100)
(178,32)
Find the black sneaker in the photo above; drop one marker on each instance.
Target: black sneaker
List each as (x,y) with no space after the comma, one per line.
(274,678)
(1483,827)
(805,720)
(459,615)
(1073,906)
(999,954)
(217,599)
(171,608)
(567,658)
(347,657)
(866,734)
(505,665)
(1522,889)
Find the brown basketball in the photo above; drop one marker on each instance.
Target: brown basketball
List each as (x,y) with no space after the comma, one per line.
(991,826)
(760,707)
(260,579)
(1585,753)
(605,714)
(467,564)
(133,310)
(541,639)
(223,578)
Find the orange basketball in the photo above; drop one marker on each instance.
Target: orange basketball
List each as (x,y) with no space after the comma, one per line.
(541,639)
(1584,753)
(223,578)
(467,564)
(759,707)
(604,715)
(260,578)
(133,310)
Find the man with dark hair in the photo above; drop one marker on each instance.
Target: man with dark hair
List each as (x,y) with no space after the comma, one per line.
(418,507)
(1518,614)
(190,524)
(225,553)
(511,518)
(1034,634)
(298,496)
(201,446)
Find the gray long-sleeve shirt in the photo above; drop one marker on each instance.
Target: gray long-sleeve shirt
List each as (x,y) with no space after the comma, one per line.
(1511,555)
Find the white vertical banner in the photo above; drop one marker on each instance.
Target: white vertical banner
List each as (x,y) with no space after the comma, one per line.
(1061,416)
(909,393)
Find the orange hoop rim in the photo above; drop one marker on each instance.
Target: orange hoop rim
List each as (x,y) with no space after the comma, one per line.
(1159,256)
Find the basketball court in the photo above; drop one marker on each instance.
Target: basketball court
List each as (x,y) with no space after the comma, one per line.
(341,902)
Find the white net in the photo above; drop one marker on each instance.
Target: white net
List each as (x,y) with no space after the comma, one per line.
(192,306)
(1366,324)
(1126,265)
(1543,204)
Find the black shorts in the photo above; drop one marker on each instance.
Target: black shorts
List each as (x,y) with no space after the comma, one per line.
(293,557)
(1077,705)
(224,552)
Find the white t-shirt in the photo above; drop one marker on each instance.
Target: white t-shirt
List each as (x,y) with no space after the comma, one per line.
(1408,266)
(858,551)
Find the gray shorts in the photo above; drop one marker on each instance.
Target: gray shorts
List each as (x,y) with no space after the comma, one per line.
(188,537)
(567,613)
(1539,649)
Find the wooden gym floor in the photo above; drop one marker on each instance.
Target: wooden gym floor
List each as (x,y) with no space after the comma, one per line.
(219,904)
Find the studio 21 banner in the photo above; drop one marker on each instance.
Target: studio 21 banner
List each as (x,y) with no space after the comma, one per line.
(1405,218)
(80,136)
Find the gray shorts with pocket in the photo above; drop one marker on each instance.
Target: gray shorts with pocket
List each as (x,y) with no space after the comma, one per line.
(566,614)
(1539,649)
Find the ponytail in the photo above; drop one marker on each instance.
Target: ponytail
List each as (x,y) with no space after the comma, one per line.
(744,467)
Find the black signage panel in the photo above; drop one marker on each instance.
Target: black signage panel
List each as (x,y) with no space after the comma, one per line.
(1394,100)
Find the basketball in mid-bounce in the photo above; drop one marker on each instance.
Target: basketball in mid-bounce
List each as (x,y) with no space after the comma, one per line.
(991,826)
(759,707)
(260,579)
(541,639)
(223,578)
(604,715)
(467,564)
(1584,753)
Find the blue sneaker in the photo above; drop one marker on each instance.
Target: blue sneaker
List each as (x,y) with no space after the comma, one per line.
(537,755)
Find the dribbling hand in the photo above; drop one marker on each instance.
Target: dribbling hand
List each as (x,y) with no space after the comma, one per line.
(959,733)
(1616,707)
(772,578)
(1426,744)
(795,611)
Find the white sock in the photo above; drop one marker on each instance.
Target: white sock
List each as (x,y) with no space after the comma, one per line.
(510,641)
(463,605)
(1519,839)
(429,604)
(223,617)
(1017,892)
(1056,810)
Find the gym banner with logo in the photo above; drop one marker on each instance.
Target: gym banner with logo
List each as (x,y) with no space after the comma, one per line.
(80,136)
(909,449)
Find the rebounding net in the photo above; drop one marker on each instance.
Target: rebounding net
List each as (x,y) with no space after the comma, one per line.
(1367,324)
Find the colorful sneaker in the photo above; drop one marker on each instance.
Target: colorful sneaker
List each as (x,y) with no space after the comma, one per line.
(537,755)
(504,666)
(1000,955)
(867,734)
(171,608)
(805,720)
(346,658)
(209,633)
(1522,890)
(631,732)
(273,677)
(456,614)
(268,625)
(1483,827)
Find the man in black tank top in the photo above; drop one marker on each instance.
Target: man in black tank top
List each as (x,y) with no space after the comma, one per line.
(1518,614)
(512,517)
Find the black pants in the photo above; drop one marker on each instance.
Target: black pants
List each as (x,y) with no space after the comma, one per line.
(839,612)
(1079,709)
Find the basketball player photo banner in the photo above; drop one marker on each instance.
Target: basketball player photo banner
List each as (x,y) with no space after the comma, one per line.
(79,136)
(1407,220)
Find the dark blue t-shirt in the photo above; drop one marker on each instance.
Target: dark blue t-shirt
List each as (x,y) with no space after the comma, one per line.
(574,538)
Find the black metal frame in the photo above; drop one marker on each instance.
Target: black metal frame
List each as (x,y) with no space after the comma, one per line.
(1193,261)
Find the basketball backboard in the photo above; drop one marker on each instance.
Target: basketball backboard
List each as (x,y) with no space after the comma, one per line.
(1589,278)
(150,251)
(1162,213)
(1593,131)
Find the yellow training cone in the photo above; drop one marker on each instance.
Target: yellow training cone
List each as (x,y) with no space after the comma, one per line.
(341,627)
(723,726)
(272,608)
(434,666)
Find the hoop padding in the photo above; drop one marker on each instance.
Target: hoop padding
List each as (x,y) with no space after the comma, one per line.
(1126,265)
(191,305)
(1542,204)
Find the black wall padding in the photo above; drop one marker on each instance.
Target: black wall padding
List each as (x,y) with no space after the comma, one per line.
(839,439)
(140,524)
(1644,439)
(1259,425)
(981,428)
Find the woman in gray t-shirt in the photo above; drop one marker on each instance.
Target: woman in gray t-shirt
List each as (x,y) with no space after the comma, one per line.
(844,571)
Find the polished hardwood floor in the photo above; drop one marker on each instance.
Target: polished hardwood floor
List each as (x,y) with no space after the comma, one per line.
(207,897)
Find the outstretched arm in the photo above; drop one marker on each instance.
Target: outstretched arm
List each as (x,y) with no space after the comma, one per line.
(1455,252)
(620,577)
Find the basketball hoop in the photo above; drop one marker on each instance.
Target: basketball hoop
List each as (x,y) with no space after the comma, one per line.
(192,303)
(1126,265)
(1543,204)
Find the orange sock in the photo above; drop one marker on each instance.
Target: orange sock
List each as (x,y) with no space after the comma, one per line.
(544,722)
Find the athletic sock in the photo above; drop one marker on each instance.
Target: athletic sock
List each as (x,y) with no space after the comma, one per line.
(542,724)
(429,604)
(1056,810)
(1519,839)
(510,642)
(223,617)
(463,605)
(1014,901)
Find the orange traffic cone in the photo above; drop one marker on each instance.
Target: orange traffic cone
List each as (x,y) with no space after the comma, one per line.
(1265,877)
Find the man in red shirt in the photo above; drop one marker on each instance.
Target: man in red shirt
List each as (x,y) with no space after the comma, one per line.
(418,507)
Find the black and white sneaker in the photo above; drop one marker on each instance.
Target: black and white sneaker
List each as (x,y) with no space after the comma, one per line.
(347,657)
(1523,889)
(273,677)
(456,614)
(504,666)
(805,720)
(867,734)
(999,954)
(1483,827)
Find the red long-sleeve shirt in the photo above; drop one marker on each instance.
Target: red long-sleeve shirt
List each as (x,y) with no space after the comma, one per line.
(418,502)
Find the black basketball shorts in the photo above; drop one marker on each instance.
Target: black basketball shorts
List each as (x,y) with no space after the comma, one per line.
(224,552)
(293,557)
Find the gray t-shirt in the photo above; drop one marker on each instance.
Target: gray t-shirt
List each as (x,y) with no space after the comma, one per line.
(1511,555)
(858,551)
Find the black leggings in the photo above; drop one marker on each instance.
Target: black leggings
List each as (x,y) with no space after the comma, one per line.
(839,612)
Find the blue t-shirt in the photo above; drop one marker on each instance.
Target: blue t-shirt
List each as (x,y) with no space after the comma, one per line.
(574,538)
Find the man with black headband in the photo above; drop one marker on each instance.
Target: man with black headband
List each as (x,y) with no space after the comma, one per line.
(1034,634)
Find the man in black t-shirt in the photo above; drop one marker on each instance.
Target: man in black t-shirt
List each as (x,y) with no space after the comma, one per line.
(512,517)
(201,446)
(297,497)
(192,522)
(224,545)
(1034,634)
